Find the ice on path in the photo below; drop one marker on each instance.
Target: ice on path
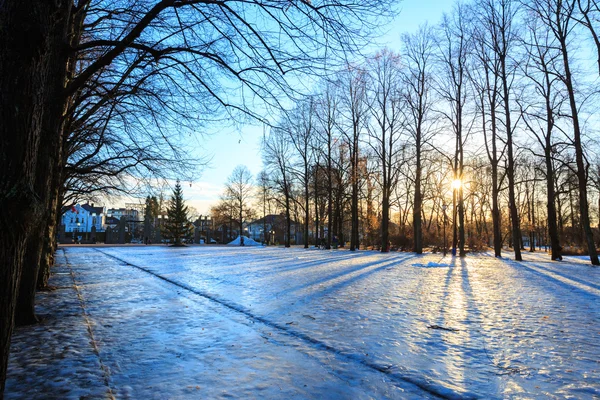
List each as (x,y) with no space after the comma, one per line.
(221,322)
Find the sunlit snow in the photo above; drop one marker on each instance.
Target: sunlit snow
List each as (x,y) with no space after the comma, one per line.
(255,322)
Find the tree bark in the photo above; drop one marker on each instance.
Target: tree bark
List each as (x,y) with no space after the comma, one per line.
(30,36)
(581,169)
(514,213)
(417,207)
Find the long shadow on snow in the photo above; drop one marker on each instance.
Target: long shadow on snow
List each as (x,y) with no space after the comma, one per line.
(398,376)
(569,277)
(555,280)
(274,268)
(353,269)
(373,268)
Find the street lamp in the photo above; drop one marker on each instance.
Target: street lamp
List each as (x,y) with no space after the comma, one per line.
(444,210)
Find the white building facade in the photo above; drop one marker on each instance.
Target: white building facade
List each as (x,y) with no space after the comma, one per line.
(81,218)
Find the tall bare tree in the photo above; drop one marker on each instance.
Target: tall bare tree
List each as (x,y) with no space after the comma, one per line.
(301,134)
(353,85)
(540,114)
(327,110)
(277,157)
(560,16)
(418,92)
(385,131)
(453,49)
(239,190)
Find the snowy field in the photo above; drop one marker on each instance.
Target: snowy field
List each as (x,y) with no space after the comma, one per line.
(274,323)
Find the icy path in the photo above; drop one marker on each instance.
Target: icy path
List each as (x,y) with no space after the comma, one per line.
(217,322)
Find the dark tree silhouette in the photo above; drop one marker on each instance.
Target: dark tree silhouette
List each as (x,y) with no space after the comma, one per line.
(178,225)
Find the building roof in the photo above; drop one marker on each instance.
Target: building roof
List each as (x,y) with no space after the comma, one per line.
(111,221)
(272,219)
(91,209)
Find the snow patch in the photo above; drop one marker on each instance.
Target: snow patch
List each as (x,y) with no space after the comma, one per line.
(247,242)
(432,264)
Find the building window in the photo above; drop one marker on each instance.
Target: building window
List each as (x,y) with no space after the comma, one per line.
(94,221)
(71,219)
(77,220)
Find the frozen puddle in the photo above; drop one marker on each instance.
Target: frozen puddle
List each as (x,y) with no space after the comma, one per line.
(223,322)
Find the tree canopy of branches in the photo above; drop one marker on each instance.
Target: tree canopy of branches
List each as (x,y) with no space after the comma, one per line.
(477,124)
(67,62)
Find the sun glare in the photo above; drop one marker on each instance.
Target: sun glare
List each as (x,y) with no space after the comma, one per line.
(456,184)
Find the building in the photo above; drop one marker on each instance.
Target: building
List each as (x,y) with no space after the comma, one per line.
(129,213)
(133,216)
(84,219)
(276,231)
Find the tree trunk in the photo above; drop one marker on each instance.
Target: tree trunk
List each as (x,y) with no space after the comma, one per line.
(514,213)
(28,52)
(417,225)
(288,223)
(385,219)
(306,205)
(354,204)
(550,190)
(581,169)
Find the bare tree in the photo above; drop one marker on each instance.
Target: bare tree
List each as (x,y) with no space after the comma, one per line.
(327,110)
(385,131)
(301,132)
(485,79)
(253,44)
(353,85)
(417,79)
(239,190)
(453,50)
(277,155)
(559,17)
(540,116)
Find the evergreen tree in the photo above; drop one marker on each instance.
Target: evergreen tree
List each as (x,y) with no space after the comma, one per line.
(177,226)
(149,216)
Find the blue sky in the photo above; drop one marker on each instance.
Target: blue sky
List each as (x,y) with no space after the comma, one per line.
(229,147)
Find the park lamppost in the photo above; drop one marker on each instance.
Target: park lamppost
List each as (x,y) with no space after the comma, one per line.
(444,206)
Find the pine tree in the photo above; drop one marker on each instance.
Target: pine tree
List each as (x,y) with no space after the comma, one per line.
(177,226)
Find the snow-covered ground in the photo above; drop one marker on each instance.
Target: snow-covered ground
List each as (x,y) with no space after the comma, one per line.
(243,322)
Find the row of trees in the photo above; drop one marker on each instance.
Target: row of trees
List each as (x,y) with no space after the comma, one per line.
(89,89)
(485,122)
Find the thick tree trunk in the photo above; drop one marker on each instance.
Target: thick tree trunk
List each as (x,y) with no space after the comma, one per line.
(461,222)
(317,235)
(49,248)
(354,204)
(48,161)
(306,205)
(514,213)
(579,160)
(385,219)
(532,219)
(288,221)
(496,216)
(417,223)
(550,191)
(28,52)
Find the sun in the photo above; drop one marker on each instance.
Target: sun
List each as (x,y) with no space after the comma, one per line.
(456,184)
